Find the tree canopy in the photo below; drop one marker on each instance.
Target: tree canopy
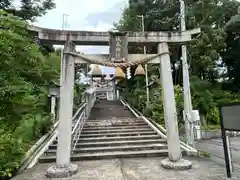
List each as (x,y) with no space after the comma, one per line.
(28,9)
(210,15)
(25,75)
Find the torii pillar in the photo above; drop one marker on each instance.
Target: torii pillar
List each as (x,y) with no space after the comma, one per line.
(174,160)
(63,167)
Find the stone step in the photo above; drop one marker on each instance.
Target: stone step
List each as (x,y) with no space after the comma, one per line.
(115,130)
(110,111)
(100,139)
(115,143)
(150,132)
(103,117)
(100,121)
(109,155)
(113,127)
(107,110)
(110,106)
(105,139)
(114,148)
(112,131)
(118,133)
(102,104)
(97,109)
(104,125)
(131,119)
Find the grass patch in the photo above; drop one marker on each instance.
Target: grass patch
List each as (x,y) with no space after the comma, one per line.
(211,127)
(204,154)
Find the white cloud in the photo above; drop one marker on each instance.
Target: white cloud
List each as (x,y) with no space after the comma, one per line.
(78,13)
(82,15)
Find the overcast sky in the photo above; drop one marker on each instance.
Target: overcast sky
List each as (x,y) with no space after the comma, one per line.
(93,15)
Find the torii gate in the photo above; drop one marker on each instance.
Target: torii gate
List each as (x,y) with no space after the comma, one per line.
(118,57)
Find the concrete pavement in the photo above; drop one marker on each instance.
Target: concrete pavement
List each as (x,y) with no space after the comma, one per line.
(135,169)
(215,146)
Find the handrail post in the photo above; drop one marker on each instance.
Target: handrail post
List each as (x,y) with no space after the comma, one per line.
(87,105)
(90,98)
(93,99)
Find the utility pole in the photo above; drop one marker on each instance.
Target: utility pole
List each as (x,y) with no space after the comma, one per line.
(186,84)
(64,22)
(146,69)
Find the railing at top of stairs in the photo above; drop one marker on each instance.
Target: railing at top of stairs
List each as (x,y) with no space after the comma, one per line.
(159,129)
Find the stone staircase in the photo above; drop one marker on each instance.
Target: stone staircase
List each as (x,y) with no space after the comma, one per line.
(112,131)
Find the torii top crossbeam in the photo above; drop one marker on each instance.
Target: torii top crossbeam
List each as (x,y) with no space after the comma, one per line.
(53,36)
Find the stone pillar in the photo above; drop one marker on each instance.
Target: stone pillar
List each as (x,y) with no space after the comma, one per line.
(114,92)
(87,105)
(118,95)
(92,99)
(63,168)
(53,108)
(57,109)
(90,103)
(170,114)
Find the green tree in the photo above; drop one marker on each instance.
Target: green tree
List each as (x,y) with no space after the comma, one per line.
(25,74)
(28,9)
(231,54)
(209,15)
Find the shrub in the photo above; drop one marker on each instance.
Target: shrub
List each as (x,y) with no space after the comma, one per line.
(14,144)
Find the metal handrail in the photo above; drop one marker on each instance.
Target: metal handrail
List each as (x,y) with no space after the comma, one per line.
(78,126)
(38,148)
(78,130)
(79,109)
(42,144)
(161,130)
(79,118)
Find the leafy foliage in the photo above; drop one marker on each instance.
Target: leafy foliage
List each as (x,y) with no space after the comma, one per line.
(233,24)
(28,9)
(25,74)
